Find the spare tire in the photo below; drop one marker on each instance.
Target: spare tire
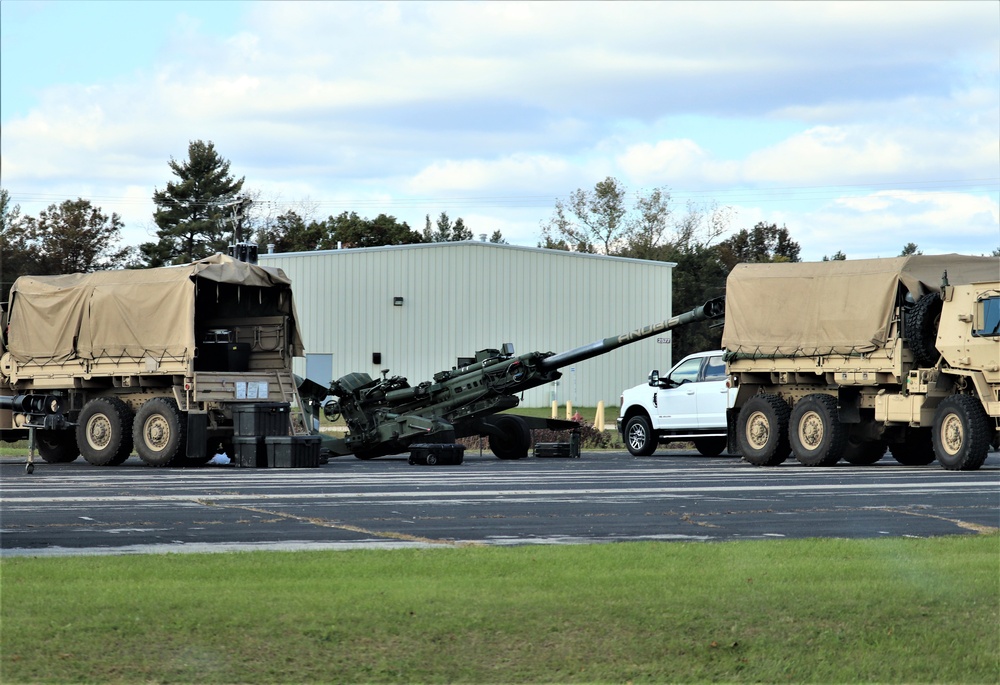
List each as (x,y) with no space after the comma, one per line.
(920,329)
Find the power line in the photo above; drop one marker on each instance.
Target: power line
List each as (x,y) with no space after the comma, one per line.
(742,195)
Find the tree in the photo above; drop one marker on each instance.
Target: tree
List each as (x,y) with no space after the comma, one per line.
(191,212)
(652,222)
(765,243)
(289,232)
(350,230)
(498,238)
(699,275)
(446,230)
(77,237)
(18,256)
(598,218)
(838,256)
(909,249)
(459,231)
(71,237)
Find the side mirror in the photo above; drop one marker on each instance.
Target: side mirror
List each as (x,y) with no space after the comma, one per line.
(654,378)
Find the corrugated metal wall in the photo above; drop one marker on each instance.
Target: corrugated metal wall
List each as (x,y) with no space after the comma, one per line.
(467,296)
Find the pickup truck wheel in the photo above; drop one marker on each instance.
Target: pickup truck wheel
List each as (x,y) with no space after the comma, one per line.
(516,440)
(816,435)
(762,430)
(104,431)
(57,447)
(915,449)
(710,447)
(160,432)
(639,437)
(961,433)
(863,453)
(920,329)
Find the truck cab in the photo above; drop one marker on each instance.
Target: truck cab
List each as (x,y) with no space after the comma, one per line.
(687,404)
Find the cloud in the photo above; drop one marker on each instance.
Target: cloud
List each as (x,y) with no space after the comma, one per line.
(356,104)
(880,224)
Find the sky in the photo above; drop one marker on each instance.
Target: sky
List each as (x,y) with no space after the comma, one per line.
(859,126)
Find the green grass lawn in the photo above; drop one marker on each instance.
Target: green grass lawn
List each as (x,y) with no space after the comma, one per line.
(899,610)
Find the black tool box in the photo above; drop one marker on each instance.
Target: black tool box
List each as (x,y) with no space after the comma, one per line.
(565,450)
(440,454)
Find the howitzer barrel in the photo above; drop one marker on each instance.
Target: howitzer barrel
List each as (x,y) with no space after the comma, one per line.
(713,309)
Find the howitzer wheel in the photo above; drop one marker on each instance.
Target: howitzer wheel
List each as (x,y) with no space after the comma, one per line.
(57,447)
(516,440)
(710,447)
(915,449)
(863,453)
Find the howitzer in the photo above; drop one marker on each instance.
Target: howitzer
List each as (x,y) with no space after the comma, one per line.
(384,416)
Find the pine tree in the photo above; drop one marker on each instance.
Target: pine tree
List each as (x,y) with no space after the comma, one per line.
(191,213)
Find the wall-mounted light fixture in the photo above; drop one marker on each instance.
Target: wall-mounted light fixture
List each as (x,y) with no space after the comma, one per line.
(397,301)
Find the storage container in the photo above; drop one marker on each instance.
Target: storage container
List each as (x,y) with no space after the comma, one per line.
(292,451)
(261,419)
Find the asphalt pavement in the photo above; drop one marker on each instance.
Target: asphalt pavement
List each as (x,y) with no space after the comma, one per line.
(76,508)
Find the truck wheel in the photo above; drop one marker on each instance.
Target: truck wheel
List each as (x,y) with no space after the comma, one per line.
(160,432)
(815,432)
(961,433)
(762,430)
(639,437)
(920,329)
(57,447)
(516,438)
(710,447)
(104,431)
(864,453)
(915,449)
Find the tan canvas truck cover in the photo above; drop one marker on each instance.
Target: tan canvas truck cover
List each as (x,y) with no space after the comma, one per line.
(838,307)
(125,313)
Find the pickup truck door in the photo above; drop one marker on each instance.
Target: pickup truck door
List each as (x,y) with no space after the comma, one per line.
(712,395)
(677,405)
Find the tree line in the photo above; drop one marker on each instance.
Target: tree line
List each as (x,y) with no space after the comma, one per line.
(204,208)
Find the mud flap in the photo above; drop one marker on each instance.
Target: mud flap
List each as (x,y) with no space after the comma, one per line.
(197,435)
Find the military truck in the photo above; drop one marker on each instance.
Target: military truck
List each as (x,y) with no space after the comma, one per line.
(159,360)
(839,360)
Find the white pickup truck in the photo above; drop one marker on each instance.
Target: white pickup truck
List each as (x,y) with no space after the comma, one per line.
(688,404)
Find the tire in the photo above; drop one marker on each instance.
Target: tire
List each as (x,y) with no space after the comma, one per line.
(864,453)
(815,433)
(961,433)
(160,433)
(104,431)
(57,447)
(710,447)
(920,329)
(516,440)
(639,437)
(762,430)
(916,448)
